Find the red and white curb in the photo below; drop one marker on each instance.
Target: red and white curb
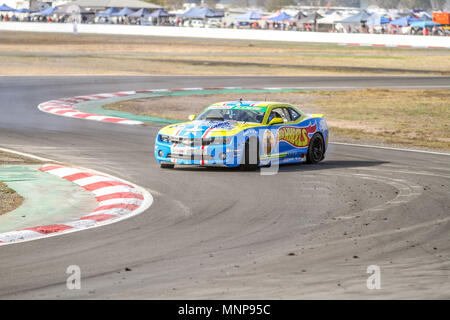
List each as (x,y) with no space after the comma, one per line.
(392,45)
(117,200)
(66,107)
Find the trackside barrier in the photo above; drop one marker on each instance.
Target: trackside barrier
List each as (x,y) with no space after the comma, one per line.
(381,40)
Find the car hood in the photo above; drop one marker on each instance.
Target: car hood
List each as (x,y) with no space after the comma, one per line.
(204,129)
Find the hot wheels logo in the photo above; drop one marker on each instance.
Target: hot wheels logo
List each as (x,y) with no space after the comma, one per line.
(298,137)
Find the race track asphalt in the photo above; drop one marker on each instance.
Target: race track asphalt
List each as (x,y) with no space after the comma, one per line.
(311,231)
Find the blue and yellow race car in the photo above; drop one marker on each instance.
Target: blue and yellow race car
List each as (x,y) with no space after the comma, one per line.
(244,133)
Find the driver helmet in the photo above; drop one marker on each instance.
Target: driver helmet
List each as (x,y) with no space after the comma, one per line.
(271,116)
(232,114)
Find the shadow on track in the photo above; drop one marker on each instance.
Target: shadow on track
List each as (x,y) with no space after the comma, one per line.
(293,167)
(330,164)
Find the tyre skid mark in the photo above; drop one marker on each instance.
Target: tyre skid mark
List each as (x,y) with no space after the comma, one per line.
(407,191)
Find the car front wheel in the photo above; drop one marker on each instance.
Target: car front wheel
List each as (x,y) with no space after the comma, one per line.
(251,155)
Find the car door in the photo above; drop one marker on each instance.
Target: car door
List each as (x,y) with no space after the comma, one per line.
(281,147)
(297,138)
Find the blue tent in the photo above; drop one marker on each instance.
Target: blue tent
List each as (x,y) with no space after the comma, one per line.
(123,13)
(140,13)
(424,24)
(160,13)
(4,7)
(47,12)
(378,20)
(251,15)
(404,21)
(23,10)
(108,12)
(281,17)
(362,16)
(201,13)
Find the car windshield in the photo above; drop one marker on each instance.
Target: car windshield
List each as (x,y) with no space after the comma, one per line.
(220,114)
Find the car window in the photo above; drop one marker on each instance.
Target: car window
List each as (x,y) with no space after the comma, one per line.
(282,113)
(294,114)
(255,116)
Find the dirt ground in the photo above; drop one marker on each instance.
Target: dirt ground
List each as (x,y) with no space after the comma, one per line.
(52,53)
(411,118)
(9,199)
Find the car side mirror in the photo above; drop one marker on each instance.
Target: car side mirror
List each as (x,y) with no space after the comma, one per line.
(192,117)
(276,121)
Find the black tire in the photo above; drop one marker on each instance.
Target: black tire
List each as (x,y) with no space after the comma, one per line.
(167,165)
(248,161)
(316,149)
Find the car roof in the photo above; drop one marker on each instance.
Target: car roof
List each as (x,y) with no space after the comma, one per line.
(249,103)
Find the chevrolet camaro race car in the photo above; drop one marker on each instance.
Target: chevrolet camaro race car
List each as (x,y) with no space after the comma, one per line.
(244,133)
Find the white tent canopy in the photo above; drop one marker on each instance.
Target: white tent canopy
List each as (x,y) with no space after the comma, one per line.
(134,4)
(333,18)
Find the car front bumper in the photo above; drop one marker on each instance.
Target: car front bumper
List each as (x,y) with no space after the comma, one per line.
(211,155)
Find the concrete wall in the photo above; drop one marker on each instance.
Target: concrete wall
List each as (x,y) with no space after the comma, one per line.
(244,34)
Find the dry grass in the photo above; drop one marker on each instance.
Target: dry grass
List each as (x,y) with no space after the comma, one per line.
(179,107)
(416,118)
(9,199)
(50,53)
(408,117)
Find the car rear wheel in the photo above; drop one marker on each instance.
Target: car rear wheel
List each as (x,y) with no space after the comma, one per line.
(251,155)
(167,165)
(316,149)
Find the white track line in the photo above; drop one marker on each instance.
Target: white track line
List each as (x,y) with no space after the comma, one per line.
(28,155)
(389,148)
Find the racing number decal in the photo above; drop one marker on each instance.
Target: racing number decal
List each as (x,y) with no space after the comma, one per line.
(268,142)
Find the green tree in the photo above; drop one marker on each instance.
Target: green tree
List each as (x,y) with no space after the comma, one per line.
(174,4)
(243,3)
(274,5)
(161,3)
(415,4)
(259,3)
(410,4)
(211,3)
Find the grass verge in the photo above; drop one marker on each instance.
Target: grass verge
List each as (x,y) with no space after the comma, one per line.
(54,53)
(409,118)
(9,199)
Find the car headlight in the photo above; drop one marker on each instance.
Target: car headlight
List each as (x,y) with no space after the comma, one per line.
(221,140)
(163,138)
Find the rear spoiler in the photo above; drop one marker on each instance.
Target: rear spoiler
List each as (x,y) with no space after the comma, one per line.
(317,115)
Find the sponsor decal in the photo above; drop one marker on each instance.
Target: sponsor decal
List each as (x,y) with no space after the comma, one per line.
(190,130)
(219,107)
(226,125)
(297,136)
(186,151)
(268,141)
(250,132)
